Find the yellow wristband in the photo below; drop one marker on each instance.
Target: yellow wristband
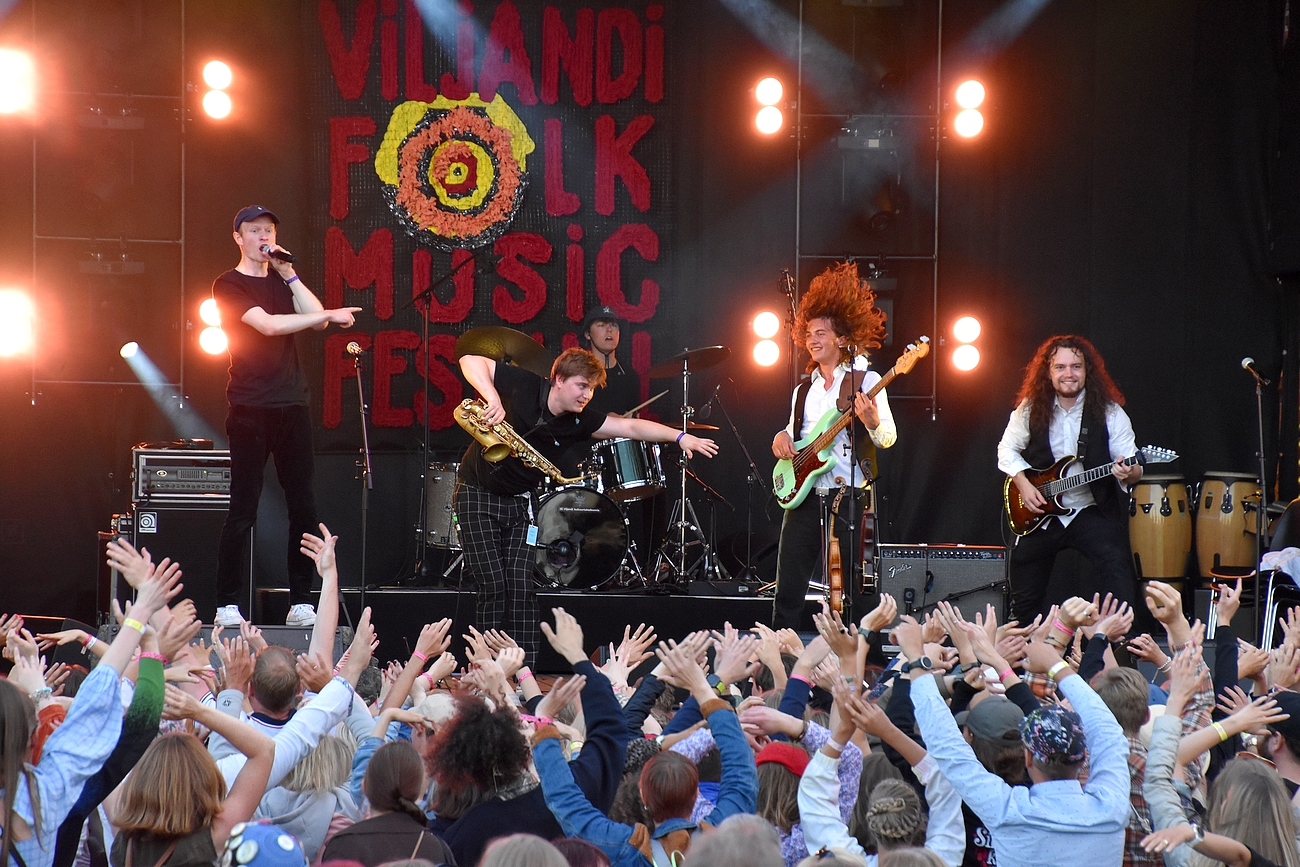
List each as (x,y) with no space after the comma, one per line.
(1223,733)
(1056,669)
(131,623)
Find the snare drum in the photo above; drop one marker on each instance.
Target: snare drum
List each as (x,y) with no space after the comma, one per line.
(629,469)
(1221,521)
(582,538)
(1160,527)
(440,529)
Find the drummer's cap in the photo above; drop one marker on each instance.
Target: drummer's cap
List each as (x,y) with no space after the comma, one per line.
(1288,702)
(601,314)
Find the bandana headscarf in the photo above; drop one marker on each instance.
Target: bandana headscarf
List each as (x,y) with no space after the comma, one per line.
(1054,734)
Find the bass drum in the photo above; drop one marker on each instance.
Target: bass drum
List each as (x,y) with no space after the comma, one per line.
(1160,527)
(582,538)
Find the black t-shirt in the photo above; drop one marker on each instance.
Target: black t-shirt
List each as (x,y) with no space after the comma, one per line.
(523,394)
(264,371)
(621,392)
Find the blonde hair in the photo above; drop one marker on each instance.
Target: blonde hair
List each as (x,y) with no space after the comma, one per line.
(174,790)
(326,767)
(910,856)
(522,850)
(895,816)
(1249,803)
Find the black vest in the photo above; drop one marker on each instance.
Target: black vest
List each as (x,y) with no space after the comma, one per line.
(864,447)
(1096,453)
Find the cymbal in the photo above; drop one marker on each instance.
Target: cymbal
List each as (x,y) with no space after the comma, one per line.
(698,359)
(505,344)
(695,425)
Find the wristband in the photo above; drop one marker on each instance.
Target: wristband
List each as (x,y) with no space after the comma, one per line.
(90,642)
(800,677)
(830,742)
(1223,733)
(1056,669)
(292,279)
(132,623)
(523,675)
(42,694)
(1061,626)
(1004,675)
(427,678)
(1166,665)
(679,437)
(149,654)
(420,656)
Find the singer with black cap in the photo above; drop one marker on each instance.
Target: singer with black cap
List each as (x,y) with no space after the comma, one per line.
(263,303)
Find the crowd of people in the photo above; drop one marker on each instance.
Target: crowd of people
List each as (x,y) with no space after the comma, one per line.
(977,743)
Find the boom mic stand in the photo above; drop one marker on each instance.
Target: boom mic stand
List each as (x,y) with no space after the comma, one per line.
(1261,524)
(754,478)
(367,477)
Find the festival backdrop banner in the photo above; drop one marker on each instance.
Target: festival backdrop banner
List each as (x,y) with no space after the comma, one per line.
(513,155)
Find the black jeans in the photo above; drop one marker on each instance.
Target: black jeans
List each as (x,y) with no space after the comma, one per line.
(799,558)
(1100,539)
(255,434)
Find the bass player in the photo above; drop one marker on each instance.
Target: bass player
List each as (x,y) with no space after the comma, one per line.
(1056,416)
(837,321)
(493,499)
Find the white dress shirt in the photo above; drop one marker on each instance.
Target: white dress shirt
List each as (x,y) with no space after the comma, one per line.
(1063,436)
(821,399)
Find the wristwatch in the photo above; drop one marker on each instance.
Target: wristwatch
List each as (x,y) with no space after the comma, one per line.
(922,662)
(969,666)
(866,633)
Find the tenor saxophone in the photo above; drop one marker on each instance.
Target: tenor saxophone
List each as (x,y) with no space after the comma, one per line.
(500,441)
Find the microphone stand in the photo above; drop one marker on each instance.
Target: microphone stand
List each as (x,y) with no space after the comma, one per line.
(1261,525)
(753,478)
(367,477)
(422,565)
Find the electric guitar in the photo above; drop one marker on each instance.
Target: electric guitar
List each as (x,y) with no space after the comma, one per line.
(793,478)
(1053,482)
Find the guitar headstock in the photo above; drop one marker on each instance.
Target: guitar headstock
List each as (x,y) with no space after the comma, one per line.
(914,353)
(1156,455)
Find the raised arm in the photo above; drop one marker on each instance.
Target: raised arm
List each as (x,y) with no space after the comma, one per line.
(321,550)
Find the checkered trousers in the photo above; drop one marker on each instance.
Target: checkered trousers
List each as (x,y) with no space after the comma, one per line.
(494,536)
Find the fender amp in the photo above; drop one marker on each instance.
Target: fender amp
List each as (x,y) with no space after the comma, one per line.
(968,576)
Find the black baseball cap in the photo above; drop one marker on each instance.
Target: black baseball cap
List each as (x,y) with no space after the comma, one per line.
(601,314)
(252,212)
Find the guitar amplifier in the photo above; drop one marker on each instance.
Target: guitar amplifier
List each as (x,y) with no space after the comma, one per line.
(171,475)
(968,576)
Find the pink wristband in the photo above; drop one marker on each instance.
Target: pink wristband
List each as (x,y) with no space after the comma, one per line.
(520,678)
(1061,626)
(800,677)
(427,678)
(420,656)
(158,656)
(1004,675)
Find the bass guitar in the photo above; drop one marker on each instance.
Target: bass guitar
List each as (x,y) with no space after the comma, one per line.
(793,478)
(1055,481)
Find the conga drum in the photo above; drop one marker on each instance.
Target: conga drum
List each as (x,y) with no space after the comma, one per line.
(1222,535)
(1160,527)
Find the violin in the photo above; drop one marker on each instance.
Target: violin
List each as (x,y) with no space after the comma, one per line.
(835,561)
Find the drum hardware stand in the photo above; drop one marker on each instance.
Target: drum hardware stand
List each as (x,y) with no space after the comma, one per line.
(1261,522)
(367,476)
(754,478)
(422,565)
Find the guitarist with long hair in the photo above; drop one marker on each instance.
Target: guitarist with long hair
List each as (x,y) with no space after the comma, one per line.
(836,323)
(1069,405)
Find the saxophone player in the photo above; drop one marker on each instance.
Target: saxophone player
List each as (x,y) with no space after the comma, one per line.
(492,499)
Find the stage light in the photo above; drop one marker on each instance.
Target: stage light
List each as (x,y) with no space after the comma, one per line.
(767,352)
(16,328)
(769,119)
(217,75)
(209,313)
(768,91)
(217,104)
(968,123)
(17,81)
(970,94)
(965,357)
(766,324)
(966,329)
(129,350)
(212,340)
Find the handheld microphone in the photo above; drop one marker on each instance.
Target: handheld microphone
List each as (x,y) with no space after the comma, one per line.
(1248,364)
(282,255)
(354,348)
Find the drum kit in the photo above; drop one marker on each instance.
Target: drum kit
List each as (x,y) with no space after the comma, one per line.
(583,531)
(1166,514)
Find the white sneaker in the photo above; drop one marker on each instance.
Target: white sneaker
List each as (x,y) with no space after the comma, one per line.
(301,614)
(227,616)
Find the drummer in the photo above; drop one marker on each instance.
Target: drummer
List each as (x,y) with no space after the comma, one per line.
(603,331)
(492,503)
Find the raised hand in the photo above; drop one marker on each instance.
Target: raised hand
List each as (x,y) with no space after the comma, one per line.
(1228,602)
(476,645)
(498,640)
(321,550)
(134,565)
(238,661)
(563,693)
(680,668)
(1283,670)
(882,616)
(55,675)
(1145,647)
(28,674)
(790,641)
(511,659)
(53,639)
(434,638)
(179,704)
(760,719)
(253,636)
(314,671)
(486,676)
(176,634)
(566,637)
(1077,611)
(1257,716)
(635,648)
(1251,660)
(1114,625)
(842,642)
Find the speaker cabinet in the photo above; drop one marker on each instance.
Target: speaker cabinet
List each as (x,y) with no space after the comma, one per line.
(920,576)
(189,534)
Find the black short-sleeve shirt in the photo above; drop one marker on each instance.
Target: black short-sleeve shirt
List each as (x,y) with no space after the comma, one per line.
(523,394)
(264,371)
(621,392)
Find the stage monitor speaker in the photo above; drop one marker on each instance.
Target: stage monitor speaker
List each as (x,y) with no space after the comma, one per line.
(968,576)
(188,534)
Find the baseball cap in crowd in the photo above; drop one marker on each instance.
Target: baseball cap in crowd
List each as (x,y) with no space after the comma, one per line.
(794,759)
(1288,702)
(994,719)
(261,844)
(252,212)
(1054,734)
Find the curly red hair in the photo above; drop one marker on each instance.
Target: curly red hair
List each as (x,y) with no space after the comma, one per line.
(844,299)
(1099,388)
